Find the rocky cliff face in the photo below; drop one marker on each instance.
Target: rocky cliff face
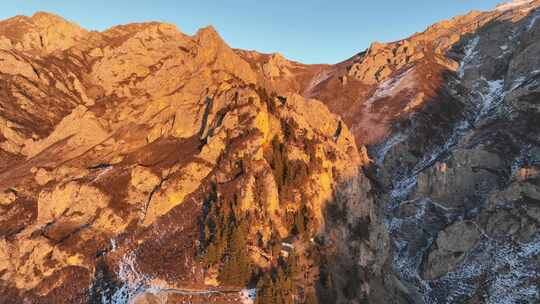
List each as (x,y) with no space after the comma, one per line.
(143,165)
(449,118)
(456,165)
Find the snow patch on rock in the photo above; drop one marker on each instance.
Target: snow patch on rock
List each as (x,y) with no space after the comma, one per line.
(248,296)
(134,282)
(390,87)
(388,144)
(494,95)
(532,22)
(470,53)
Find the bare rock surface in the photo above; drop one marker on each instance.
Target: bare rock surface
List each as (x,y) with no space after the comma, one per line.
(117,146)
(144,165)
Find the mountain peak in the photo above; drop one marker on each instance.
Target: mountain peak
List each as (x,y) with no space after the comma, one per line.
(45,21)
(40,15)
(42,31)
(140,164)
(208,33)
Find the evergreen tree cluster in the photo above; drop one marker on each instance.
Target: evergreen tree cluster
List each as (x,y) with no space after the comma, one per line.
(288,174)
(277,285)
(226,238)
(226,229)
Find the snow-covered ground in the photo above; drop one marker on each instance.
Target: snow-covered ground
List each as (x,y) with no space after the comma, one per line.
(470,53)
(533,20)
(509,263)
(136,284)
(390,87)
(491,97)
(248,295)
(133,281)
(382,149)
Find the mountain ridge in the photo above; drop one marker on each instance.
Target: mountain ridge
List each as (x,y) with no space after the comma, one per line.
(143,165)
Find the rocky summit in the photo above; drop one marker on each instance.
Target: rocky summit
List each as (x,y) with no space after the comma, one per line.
(143,165)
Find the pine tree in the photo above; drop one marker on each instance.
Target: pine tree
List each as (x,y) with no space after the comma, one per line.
(293,267)
(265,290)
(237,268)
(299,227)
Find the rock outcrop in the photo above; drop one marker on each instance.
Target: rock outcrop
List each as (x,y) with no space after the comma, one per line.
(144,165)
(449,174)
(133,158)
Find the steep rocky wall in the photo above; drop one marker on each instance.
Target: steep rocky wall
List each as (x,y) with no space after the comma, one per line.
(141,162)
(143,165)
(458,198)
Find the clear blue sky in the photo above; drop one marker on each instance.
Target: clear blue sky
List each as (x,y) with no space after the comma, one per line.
(313,31)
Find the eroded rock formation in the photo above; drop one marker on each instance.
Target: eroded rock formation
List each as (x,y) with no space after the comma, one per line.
(133,158)
(143,165)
